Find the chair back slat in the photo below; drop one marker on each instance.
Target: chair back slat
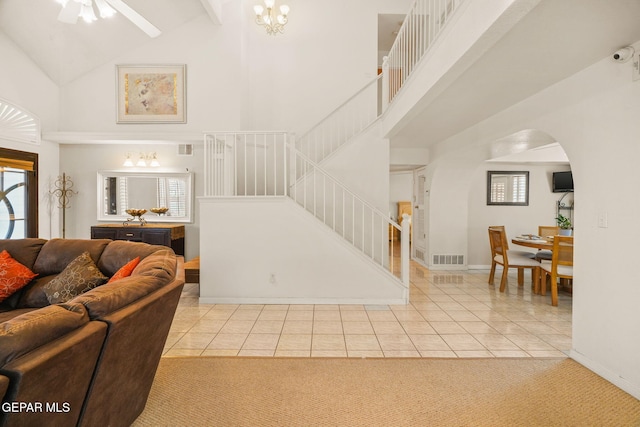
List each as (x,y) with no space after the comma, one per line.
(548,230)
(497,239)
(562,251)
(504,231)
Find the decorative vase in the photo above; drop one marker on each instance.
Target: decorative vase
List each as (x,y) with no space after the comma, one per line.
(135,214)
(565,232)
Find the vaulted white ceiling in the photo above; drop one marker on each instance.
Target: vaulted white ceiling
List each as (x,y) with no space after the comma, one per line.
(66,51)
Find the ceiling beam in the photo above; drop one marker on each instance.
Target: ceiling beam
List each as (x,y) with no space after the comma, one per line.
(214,9)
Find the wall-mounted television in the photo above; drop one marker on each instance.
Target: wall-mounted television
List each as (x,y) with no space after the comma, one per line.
(562,182)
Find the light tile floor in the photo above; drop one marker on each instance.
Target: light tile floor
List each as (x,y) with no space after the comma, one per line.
(450,314)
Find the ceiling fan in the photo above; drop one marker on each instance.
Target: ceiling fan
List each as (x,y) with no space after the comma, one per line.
(74,9)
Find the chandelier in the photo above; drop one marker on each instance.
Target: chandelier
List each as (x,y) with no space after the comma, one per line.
(273,25)
(74,9)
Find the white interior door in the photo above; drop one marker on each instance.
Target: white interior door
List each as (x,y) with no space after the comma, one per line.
(420,209)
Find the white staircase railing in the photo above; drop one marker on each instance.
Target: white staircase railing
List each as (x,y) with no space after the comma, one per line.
(364,226)
(343,123)
(421,27)
(245,164)
(263,164)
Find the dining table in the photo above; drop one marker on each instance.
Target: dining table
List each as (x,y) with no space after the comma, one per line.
(532,242)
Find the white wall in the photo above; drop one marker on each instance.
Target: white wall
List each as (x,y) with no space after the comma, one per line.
(362,165)
(23,84)
(594,116)
(517,219)
(271,251)
(239,77)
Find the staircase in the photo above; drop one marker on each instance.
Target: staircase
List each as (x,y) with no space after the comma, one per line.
(277,198)
(266,165)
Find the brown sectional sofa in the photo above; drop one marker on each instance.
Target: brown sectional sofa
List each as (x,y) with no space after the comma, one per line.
(91,360)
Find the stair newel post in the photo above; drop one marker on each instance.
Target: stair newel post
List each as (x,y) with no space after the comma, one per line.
(405,237)
(385,83)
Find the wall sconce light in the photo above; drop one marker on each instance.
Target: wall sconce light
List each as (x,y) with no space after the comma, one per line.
(154,161)
(128,162)
(151,158)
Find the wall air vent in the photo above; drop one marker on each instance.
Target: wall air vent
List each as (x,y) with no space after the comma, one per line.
(420,255)
(185,149)
(448,260)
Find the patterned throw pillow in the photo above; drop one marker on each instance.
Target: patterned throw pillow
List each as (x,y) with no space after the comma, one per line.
(13,275)
(80,276)
(125,270)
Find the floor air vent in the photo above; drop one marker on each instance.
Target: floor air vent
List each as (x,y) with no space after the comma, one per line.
(448,260)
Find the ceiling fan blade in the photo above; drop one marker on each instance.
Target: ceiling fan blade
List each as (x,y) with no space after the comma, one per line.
(133,16)
(70,12)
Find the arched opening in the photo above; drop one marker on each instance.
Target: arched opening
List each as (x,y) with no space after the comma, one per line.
(517,322)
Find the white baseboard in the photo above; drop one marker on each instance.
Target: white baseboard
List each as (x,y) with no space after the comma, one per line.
(480,267)
(607,374)
(306,301)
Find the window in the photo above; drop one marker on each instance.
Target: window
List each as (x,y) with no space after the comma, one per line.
(172,194)
(18,194)
(508,188)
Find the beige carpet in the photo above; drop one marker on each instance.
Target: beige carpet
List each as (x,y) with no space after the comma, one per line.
(219,391)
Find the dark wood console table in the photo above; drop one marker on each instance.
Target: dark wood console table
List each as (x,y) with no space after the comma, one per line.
(171,235)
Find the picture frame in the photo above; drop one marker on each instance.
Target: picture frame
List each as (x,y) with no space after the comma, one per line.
(151,93)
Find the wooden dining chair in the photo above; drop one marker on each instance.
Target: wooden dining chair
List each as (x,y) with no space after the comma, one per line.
(512,252)
(503,229)
(560,266)
(500,255)
(546,231)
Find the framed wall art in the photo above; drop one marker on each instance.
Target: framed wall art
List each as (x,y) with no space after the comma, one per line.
(151,94)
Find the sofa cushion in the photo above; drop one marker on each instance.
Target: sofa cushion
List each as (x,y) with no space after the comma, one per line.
(33,295)
(10,314)
(120,252)
(56,254)
(162,264)
(111,297)
(80,276)
(25,251)
(35,328)
(13,275)
(125,270)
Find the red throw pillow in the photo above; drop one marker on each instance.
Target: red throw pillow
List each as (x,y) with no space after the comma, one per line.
(13,275)
(125,270)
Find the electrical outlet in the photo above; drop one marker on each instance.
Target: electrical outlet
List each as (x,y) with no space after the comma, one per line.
(636,67)
(603,221)
(272,279)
